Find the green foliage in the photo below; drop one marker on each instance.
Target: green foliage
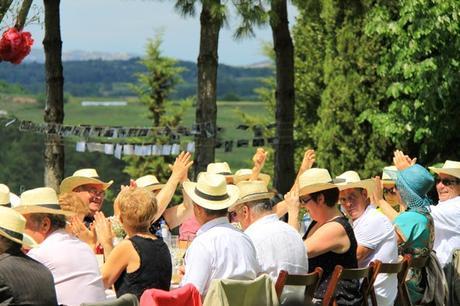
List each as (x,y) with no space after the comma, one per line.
(153,87)
(6,88)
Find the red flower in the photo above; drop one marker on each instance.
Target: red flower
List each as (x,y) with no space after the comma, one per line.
(15,45)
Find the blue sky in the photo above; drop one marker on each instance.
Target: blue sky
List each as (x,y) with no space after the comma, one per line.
(125,26)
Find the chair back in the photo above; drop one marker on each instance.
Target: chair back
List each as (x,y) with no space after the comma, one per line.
(187,295)
(260,291)
(309,281)
(400,268)
(367,285)
(126,299)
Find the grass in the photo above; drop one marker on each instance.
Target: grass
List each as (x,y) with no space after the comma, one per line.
(136,114)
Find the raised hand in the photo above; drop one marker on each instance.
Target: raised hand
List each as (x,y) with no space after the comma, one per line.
(181,165)
(402,161)
(103,229)
(308,160)
(259,158)
(79,229)
(377,193)
(292,200)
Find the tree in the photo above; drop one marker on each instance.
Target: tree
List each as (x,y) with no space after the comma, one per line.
(212,18)
(154,86)
(54,110)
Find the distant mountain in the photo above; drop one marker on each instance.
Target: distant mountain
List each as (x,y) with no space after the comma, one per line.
(38,56)
(111,78)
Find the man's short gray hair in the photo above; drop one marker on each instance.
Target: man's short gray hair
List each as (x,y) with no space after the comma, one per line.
(260,207)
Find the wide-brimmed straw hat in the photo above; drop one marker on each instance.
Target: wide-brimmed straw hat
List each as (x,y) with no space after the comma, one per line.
(245,174)
(219,168)
(12,226)
(450,167)
(212,192)
(41,200)
(82,177)
(389,175)
(314,180)
(252,191)
(413,184)
(5,196)
(352,180)
(149,182)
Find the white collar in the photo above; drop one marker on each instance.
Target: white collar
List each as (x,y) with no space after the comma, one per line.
(263,220)
(455,199)
(212,223)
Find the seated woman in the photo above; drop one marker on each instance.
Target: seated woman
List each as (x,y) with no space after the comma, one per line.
(329,240)
(414,225)
(141,261)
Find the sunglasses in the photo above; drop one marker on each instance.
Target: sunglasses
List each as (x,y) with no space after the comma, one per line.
(232,216)
(391,190)
(447,182)
(304,200)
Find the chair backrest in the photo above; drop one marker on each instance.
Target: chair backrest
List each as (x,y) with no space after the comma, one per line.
(366,274)
(400,268)
(309,281)
(260,291)
(126,299)
(187,295)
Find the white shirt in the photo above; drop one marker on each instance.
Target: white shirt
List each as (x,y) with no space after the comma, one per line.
(219,251)
(446,216)
(278,246)
(74,267)
(374,230)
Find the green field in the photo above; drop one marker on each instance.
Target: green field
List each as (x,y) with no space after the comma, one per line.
(135,115)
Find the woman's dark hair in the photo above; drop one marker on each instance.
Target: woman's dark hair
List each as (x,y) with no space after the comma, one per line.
(331,196)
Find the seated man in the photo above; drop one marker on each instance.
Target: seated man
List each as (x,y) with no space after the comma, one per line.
(374,232)
(219,250)
(88,186)
(447,213)
(74,266)
(23,281)
(278,245)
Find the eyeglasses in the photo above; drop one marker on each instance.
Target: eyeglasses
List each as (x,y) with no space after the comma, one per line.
(447,182)
(93,191)
(232,216)
(391,190)
(305,200)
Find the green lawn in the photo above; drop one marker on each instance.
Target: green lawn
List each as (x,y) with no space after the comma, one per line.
(135,114)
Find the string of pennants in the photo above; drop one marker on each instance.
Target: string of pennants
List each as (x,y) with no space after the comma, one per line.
(124,143)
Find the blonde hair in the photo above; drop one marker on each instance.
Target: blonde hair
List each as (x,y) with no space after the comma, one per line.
(138,207)
(70,201)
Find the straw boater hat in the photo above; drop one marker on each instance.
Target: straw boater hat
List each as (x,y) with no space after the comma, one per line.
(12,226)
(252,191)
(212,192)
(352,180)
(450,167)
(82,177)
(314,180)
(389,175)
(245,174)
(41,200)
(149,182)
(4,196)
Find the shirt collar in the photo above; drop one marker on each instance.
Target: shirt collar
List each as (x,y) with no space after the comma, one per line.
(263,220)
(457,198)
(212,223)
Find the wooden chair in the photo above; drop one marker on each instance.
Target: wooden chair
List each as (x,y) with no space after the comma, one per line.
(400,268)
(367,285)
(310,281)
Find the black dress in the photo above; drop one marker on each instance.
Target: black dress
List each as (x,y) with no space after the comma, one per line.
(347,292)
(154,271)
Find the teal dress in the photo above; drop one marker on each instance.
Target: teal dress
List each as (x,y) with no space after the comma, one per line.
(415,228)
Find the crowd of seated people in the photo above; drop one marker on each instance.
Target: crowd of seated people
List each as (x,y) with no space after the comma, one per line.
(50,241)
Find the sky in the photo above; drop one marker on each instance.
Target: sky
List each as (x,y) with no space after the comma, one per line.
(125,26)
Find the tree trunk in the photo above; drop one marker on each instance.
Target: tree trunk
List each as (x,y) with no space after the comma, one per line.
(285,96)
(54,110)
(206,108)
(4,6)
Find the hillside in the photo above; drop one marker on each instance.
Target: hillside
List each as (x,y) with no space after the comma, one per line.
(111,78)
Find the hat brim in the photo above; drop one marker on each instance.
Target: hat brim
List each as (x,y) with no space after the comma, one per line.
(154,187)
(72,182)
(232,191)
(244,177)
(368,184)
(388,182)
(253,197)
(449,171)
(315,188)
(26,241)
(36,209)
